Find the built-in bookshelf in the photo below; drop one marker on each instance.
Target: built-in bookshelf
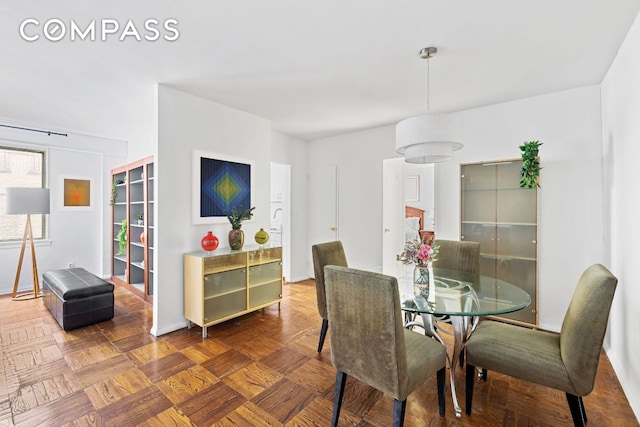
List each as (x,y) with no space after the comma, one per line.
(132,217)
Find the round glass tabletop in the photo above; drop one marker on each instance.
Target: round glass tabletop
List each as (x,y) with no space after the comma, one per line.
(454,293)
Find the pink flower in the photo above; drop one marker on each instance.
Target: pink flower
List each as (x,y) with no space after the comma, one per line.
(424,254)
(419,253)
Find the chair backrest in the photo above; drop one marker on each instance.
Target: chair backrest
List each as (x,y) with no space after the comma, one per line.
(329,253)
(585,324)
(367,336)
(457,255)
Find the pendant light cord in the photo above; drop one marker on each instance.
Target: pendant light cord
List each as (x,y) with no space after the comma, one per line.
(428,86)
(427,53)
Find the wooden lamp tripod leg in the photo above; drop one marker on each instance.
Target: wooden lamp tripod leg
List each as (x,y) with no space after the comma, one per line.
(36,282)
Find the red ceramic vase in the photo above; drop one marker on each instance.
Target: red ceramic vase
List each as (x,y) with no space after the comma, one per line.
(142,237)
(209,242)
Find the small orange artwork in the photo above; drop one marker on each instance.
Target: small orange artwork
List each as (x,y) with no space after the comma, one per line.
(77,192)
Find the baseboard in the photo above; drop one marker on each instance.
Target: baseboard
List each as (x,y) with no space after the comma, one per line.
(169,328)
(299,279)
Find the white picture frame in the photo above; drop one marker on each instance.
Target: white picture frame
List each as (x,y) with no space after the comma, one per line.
(75,193)
(412,188)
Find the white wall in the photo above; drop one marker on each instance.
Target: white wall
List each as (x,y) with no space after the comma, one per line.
(186,123)
(568,123)
(358,157)
(620,134)
(293,151)
(142,145)
(82,236)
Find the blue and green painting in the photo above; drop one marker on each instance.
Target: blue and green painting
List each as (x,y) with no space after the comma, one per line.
(224,185)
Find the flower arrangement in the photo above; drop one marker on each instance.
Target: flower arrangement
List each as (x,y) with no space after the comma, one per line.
(418,253)
(236,217)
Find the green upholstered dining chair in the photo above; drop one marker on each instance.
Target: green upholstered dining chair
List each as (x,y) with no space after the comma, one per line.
(329,253)
(369,342)
(567,361)
(458,255)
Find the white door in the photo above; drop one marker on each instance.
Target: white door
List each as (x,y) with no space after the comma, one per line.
(392,209)
(322,204)
(280,228)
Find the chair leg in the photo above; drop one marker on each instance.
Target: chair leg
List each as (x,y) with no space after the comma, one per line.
(399,408)
(469,383)
(441,384)
(577,410)
(341,380)
(582,410)
(323,334)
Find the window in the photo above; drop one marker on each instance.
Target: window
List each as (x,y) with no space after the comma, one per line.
(20,168)
(5,161)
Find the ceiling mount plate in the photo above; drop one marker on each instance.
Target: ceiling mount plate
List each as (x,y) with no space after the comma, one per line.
(428,52)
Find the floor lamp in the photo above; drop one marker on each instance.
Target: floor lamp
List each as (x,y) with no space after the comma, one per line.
(20,201)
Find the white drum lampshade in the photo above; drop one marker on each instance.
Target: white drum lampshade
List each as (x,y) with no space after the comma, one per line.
(27,201)
(23,200)
(430,138)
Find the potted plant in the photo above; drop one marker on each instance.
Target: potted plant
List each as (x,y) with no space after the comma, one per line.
(140,218)
(530,172)
(236,235)
(122,237)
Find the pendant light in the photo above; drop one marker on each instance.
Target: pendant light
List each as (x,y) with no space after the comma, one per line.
(429,138)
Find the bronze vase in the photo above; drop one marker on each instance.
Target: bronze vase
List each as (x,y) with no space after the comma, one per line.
(236,239)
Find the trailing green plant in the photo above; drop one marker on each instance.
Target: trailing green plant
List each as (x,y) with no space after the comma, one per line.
(114,191)
(236,217)
(122,237)
(114,194)
(530,172)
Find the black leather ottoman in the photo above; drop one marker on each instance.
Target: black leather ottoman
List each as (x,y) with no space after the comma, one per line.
(76,297)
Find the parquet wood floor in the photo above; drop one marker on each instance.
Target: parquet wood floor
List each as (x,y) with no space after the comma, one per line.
(258,370)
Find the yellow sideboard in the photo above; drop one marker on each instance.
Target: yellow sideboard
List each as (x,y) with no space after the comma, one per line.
(224,284)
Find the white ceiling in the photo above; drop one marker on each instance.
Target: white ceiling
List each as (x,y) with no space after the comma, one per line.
(313,67)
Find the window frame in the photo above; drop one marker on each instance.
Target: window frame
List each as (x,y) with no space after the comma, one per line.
(9,148)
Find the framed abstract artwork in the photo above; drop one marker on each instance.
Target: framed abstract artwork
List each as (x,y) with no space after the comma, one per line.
(220,184)
(76,193)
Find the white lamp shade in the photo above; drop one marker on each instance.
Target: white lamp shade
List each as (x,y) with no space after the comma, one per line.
(429,138)
(431,152)
(27,200)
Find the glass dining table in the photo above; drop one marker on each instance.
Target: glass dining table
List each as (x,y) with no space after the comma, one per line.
(457,298)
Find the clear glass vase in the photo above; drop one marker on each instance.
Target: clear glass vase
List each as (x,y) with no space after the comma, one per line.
(421,280)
